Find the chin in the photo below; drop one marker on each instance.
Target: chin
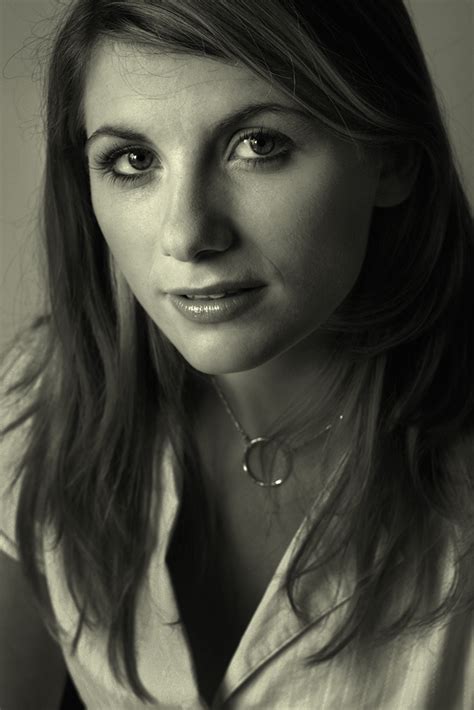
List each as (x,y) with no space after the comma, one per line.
(225,361)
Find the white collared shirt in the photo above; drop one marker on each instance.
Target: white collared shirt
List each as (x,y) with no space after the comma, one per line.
(434,671)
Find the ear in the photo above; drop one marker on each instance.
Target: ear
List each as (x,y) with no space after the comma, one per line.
(399,170)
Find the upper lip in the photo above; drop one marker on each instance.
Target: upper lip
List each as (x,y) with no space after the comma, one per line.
(221,287)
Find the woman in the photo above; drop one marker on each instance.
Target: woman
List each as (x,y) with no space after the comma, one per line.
(241,436)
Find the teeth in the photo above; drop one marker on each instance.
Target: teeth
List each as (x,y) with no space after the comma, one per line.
(212,296)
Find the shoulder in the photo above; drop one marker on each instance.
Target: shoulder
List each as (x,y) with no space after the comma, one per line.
(459,493)
(460,462)
(19,381)
(21,367)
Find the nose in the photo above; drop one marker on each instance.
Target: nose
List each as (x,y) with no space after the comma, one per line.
(193,222)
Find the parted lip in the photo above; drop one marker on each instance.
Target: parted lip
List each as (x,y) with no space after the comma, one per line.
(221,287)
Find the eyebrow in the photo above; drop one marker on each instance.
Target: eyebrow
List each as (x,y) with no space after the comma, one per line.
(243,114)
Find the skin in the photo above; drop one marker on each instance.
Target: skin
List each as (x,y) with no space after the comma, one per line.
(200,214)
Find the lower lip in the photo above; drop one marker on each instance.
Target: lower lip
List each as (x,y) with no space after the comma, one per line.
(217,310)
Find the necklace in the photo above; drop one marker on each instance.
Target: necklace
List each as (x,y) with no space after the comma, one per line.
(261,449)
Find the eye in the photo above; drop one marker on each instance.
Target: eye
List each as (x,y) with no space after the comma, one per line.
(126,164)
(260,146)
(136,160)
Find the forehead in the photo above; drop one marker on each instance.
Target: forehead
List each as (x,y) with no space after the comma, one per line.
(126,83)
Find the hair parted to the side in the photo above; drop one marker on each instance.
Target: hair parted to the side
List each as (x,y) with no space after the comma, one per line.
(110,390)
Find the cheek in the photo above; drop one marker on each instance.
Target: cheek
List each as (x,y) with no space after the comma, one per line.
(318,235)
(315,244)
(127,232)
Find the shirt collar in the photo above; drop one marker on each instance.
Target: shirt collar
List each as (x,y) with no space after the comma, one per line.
(274,624)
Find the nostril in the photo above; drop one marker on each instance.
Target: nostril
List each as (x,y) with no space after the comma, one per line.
(205,253)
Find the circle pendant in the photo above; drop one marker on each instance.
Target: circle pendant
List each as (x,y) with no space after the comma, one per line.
(264,457)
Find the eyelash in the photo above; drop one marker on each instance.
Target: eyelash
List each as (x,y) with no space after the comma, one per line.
(105,160)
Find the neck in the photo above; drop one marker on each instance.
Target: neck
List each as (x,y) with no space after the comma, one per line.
(285,392)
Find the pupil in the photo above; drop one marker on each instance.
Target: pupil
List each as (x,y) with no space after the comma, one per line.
(139,160)
(262,145)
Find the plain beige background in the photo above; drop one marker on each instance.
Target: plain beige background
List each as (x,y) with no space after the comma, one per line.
(446,30)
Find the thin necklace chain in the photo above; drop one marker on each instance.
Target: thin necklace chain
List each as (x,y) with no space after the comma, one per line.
(242,431)
(231,414)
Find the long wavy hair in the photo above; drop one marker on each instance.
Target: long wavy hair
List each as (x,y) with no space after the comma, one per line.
(105,390)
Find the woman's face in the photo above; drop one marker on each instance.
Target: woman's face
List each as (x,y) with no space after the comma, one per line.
(206,180)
